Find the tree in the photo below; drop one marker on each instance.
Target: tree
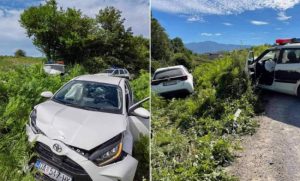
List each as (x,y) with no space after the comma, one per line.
(182,59)
(56,32)
(20,53)
(160,44)
(177,45)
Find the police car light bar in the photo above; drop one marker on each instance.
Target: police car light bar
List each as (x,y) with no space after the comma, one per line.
(283,41)
(289,40)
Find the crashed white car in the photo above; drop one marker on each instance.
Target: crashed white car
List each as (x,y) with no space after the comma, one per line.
(86,131)
(54,69)
(172,80)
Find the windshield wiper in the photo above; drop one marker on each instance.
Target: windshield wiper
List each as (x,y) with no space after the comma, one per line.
(91,108)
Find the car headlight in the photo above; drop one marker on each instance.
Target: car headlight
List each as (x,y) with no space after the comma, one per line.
(108,152)
(33,125)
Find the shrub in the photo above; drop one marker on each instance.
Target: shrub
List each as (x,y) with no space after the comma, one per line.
(20,53)
(192,137)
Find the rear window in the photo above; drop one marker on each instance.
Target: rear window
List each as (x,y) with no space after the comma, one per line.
(168,73)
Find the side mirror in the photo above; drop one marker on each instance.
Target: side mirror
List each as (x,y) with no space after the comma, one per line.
(47,94)
(136,110)
(250,57)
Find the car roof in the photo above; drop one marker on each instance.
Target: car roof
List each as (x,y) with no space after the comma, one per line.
(167,68)
(100,78)
(289,45)
(116,69)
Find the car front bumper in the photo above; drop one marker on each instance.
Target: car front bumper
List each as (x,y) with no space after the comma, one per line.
(78,166)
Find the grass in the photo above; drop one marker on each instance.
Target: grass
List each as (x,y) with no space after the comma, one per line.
(8,62)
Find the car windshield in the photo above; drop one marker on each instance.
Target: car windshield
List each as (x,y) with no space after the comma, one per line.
(91,96)
(168,73)
(109,71)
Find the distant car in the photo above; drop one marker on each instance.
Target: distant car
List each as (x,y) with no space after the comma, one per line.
(86,130)
(172,80)
(277,68)
(117,72)
(54,69)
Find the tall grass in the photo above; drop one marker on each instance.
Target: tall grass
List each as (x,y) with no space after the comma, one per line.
(193,137)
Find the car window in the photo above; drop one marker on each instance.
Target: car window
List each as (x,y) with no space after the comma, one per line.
(116,72)
(122,72)
(290,56)
(270,55)
(91,95)
(168,73)
(109,71)
(127,97)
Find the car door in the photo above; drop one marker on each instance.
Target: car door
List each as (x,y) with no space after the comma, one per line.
(287,70)
(138,126)
(265,66)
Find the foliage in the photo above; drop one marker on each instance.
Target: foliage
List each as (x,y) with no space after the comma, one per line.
(20,53)
(192,137)
(160,44)
(141,152)
(75,38)
(56,32)
(9,62)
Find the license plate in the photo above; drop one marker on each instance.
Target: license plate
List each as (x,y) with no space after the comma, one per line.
(172,82)
(51,171)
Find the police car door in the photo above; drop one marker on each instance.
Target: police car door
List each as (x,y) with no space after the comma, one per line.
(287,71)
(265,67)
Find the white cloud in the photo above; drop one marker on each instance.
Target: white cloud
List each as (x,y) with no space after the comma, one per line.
(195,18)
(220,7)
(259,22)
(211,34)
(227,24)
(282,16)
(206,34)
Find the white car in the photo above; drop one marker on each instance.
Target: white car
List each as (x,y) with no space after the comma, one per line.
(54,69)
(118,72)
(278,68)
(86,130)
(172,80)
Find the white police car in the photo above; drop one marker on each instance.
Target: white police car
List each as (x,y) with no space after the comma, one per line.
(117,72)
(277,68)
(175,80)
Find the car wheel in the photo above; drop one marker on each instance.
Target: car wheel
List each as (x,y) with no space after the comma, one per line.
(298,91)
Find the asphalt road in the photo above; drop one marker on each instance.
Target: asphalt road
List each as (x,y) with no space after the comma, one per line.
(273,152)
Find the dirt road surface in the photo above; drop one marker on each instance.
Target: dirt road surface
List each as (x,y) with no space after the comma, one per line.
(273,152)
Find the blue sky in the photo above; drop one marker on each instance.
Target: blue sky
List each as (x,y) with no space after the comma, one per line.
(13,37)
(247,22)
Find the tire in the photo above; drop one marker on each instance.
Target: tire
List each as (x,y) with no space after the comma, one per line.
(298,91)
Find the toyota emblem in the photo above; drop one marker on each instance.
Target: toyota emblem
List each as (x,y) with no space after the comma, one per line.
(57,147)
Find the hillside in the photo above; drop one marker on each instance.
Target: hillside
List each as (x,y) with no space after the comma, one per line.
(213,47)
(7,62)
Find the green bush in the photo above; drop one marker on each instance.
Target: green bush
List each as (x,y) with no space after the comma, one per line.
(192,137)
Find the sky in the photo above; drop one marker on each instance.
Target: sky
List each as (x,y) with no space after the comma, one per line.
(242,22)
(13,36)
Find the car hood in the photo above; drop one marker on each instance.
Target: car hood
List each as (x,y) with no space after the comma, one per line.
(78,127)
